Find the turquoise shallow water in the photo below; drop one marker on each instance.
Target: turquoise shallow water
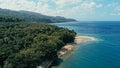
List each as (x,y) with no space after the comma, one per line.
(104,53)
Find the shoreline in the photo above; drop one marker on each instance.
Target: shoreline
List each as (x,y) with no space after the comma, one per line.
(70,46)
(65,50)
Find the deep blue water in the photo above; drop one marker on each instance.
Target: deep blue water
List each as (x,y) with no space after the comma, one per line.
(104,53)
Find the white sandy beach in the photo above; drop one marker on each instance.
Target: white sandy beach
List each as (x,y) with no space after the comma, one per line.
(70,46)
(80,39)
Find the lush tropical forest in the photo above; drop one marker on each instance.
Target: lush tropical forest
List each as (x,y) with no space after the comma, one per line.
(27,45)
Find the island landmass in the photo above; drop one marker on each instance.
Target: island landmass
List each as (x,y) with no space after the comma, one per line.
(7,15)
(27,41)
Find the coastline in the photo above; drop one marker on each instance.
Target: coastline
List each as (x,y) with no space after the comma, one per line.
(65,50)
(70,46)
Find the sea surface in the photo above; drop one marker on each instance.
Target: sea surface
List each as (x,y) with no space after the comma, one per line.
(104,53)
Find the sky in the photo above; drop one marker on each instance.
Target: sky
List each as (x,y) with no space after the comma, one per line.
(82,10)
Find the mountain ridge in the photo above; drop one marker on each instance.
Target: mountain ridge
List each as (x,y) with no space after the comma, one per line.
(7,15)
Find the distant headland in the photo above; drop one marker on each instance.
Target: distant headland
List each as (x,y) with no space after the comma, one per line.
(7,15)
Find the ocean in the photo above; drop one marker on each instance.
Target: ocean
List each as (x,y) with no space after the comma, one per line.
(104,53)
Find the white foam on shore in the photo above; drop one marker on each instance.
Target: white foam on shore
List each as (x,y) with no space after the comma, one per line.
(80,39)
(92,38)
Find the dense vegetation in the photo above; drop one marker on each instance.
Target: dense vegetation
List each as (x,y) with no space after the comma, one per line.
(26,45)
(26,16)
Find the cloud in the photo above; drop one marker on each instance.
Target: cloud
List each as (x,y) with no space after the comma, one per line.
(67,8)
(115,7)
(82,11)
(17,4)
(63,3)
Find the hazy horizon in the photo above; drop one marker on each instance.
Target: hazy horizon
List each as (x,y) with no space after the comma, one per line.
(82,10)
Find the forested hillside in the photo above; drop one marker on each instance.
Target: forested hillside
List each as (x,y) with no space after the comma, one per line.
(27,45)
(26,16)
